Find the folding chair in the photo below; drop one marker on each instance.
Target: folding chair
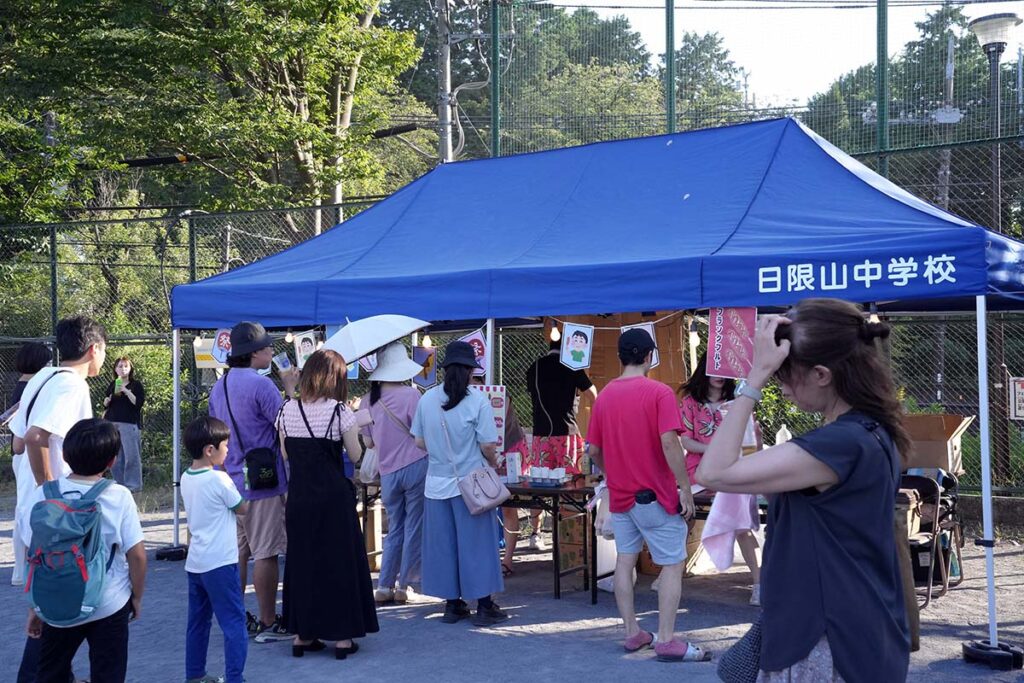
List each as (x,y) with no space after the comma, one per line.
(940,540)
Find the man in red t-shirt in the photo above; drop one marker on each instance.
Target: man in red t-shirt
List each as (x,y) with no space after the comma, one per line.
(634,439)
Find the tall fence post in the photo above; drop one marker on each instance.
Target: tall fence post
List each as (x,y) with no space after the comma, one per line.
(670,66)
(53,286)
(193,371)
(495,79)
(882,87)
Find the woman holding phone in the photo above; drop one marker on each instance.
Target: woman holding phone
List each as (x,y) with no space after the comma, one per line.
(124,398)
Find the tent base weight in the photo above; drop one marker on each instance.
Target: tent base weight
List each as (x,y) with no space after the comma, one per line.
(1002,657)
(172,553)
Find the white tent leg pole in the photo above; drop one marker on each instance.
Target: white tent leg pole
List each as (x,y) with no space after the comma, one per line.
(176,426)
(986,468)
(489,331)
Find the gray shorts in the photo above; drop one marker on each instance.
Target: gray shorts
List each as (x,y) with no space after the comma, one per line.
(664,534)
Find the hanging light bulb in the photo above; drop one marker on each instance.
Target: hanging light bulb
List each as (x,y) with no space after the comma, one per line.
(555,334)
(197,341)
(873,318)
(427,342)
(289,338)
(694,334)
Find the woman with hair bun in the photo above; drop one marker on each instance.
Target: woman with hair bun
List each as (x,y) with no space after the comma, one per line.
(832,597)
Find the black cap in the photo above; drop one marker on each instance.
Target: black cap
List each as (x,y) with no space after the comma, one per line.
(247,337)
(636,341)
(460,353)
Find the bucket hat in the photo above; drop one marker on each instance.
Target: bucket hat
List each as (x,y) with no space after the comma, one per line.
(247,337)
(394,365)
(460,353)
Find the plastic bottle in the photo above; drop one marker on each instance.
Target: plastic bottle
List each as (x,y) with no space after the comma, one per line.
(783,435)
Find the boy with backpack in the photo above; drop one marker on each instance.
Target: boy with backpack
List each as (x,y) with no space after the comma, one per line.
(86,559)
(211,502)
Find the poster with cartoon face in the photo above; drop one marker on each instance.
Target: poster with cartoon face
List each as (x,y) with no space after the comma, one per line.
(577,345)
(427,357)
(222,346)
(305,346)
(479,343)
(649,327)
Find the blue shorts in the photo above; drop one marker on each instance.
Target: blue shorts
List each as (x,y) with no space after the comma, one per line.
(664,534)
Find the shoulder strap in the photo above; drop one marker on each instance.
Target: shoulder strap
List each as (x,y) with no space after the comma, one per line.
(32,403)
(97,490)
(320,440)
(51,489)
(235,431)
(394,418)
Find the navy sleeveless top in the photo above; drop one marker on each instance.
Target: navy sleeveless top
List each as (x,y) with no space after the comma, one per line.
(830,564)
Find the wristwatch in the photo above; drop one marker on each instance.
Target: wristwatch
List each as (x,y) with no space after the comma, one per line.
(753,393)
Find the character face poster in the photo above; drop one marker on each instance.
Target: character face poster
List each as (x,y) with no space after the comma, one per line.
(577,346)
(427,357)
(497,396)
(479,343)
(731,342)
(222,346)
(305,346)
(655,359)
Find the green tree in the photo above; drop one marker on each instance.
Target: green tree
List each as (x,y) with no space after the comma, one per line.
(708,88)
(275,101)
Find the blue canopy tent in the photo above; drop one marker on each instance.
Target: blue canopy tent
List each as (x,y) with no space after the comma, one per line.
(759,214)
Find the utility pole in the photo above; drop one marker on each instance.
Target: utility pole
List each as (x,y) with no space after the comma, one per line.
(444,83)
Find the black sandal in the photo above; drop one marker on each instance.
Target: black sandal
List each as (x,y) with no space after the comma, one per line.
(506,570)
(343,652)
(315,646)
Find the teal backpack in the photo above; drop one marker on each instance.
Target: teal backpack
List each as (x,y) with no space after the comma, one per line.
(68,560)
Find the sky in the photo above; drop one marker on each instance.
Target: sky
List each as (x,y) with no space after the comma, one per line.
(791,54)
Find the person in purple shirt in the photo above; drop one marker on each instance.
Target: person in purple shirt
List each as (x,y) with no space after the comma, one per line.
(249,403)
(403,470)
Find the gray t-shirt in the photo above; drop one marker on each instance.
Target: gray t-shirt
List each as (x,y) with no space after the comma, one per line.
(469,424)
(830,564)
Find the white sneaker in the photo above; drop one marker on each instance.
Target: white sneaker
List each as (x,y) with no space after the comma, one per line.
(536,543)
(755,595)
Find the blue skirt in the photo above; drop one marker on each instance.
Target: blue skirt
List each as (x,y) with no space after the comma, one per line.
(460,551)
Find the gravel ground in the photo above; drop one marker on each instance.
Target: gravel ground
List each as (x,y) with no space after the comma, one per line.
(546,638)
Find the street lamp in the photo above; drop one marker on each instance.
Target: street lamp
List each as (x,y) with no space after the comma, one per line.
(993,33)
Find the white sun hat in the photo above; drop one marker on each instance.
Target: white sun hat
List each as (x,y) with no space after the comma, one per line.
(394,365)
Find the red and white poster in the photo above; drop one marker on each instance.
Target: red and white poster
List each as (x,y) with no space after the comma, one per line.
(731,342)
(478,340)
(498,398)
(222,346)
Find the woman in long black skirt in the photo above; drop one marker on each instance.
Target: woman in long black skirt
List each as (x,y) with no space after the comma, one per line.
(328,593)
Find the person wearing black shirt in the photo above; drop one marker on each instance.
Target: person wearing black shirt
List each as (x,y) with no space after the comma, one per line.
(124,398)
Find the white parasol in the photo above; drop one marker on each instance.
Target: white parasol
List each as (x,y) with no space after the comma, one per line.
(363,337)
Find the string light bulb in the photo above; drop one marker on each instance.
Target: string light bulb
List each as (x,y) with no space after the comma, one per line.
(197,341)
(427,342)
(555,334)
(873,318)
(289,338)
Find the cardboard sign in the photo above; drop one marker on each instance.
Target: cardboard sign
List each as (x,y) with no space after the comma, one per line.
(205,359)
(305,346)
(655,359)
(498,398)
(222,346)
(1017,398)
(577,346)
(731,342)
(478,340)
(427,357)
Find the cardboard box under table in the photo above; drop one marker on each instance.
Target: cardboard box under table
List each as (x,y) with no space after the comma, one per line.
(937,440)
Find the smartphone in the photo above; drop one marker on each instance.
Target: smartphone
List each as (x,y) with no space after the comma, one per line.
(282,361)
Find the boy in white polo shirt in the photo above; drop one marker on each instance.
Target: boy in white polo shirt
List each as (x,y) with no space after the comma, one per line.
(211,501)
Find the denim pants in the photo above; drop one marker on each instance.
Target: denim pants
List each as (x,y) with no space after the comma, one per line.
(108,649)
(127,469)
(216,592)
(461,559)
(401,492)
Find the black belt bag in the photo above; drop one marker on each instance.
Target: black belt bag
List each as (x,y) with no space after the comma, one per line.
(645,497)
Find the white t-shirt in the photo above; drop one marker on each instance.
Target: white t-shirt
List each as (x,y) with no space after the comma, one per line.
(210,501)
(120,527)
(62,402)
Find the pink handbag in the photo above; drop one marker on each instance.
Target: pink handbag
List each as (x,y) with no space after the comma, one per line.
(481,489)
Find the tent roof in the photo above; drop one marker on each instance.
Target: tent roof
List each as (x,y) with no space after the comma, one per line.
(758,214)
